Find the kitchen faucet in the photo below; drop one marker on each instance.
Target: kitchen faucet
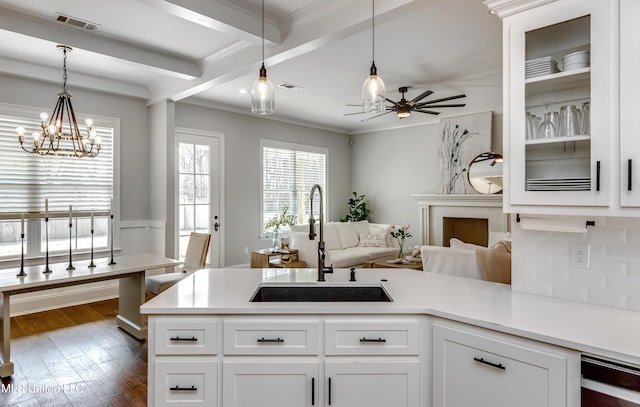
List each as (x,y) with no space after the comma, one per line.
(322,270)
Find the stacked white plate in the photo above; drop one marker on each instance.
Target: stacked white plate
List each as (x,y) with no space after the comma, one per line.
(540,66)
(559,184)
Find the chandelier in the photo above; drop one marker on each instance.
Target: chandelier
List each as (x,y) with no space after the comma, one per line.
(61,135)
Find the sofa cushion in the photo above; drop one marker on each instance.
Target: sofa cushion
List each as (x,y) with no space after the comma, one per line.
(459,244)
(377,252)
(348,234)
(362,227)
(352,256)
(330,236)
(373,240)
(380,228)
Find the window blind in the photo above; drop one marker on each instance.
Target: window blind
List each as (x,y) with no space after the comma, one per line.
(289,172)
(26,179)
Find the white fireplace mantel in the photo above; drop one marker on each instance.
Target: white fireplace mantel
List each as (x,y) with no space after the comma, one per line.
(433,207)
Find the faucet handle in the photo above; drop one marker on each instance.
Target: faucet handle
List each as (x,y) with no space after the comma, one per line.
(353,274)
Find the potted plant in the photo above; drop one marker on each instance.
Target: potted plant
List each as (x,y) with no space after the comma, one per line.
(401,234)
(274,224)
(357,209)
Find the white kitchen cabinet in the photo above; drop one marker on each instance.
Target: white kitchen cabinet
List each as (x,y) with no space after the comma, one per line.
(629,103)
(372,383)
(556,175)
(270,382)
(476,367)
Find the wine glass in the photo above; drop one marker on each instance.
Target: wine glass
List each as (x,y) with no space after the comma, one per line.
(547,129)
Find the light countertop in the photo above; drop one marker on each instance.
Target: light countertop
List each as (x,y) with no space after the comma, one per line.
(587,328)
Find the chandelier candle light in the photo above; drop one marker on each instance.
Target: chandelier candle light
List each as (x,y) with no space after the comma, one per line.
(62,126)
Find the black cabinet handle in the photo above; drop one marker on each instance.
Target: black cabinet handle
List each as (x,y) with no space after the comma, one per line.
(179,339)
(629,173)
(496,365)
(329,391)
(598,176)
(178,388)
(277,340)
(313,391)
(379,340)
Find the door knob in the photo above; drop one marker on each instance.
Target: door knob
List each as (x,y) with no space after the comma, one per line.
(216,226)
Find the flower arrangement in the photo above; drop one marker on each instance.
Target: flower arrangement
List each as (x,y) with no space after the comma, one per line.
(401,234)
(274,224)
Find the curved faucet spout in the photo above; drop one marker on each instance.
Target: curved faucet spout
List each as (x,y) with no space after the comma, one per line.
(322,270)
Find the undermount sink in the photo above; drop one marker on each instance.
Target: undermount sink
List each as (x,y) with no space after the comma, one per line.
(320,293)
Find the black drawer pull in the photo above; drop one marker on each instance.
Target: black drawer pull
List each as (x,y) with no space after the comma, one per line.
(379,340)
(629,174)
(329,391)
(277,340)
(598,176)
(178,388)
(179,339)
(496,365)
(313,391)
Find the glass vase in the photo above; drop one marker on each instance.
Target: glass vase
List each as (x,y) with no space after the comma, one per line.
(401,249)
(276,240)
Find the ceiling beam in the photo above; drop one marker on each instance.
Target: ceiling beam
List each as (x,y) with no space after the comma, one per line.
(55,32)
(221,17)
(311,29)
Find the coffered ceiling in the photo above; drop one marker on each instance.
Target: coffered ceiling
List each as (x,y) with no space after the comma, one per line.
(207,51)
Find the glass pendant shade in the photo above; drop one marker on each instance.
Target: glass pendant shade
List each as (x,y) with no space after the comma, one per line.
(263,101)
(373,91)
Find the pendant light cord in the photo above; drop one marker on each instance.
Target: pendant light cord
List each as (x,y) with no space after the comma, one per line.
(373,30)
(262,32)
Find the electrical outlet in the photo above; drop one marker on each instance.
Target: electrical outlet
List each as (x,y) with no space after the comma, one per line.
(246,250)
(580,255)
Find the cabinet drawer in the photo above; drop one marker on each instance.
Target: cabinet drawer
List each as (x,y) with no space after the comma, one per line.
(372,337)
(489,369)
(275,337)
(186,336)
(191,382)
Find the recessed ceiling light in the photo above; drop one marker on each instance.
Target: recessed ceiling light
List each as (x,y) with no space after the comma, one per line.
(243,91)
(289,86)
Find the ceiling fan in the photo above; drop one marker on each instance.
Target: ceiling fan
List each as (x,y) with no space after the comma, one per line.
(404,107)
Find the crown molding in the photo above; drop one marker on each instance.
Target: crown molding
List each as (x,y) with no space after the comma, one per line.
(505,8)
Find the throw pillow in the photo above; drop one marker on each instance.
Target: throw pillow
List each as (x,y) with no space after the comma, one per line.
(373,240)
(362,227)
(348,234)
(378,228)
(459,244)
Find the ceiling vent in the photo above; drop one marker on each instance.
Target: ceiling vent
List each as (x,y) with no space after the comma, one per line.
(76,22)
(289,86)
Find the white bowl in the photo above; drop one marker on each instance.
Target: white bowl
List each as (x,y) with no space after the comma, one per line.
(575,65)
(575,57)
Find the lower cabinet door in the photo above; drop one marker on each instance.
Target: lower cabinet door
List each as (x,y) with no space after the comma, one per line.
(473,368)
(271,383)
(179,383)
(365,383)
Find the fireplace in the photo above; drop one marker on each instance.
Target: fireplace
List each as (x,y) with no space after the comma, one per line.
(471,218)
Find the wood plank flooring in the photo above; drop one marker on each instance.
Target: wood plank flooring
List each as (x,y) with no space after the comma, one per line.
(75,356)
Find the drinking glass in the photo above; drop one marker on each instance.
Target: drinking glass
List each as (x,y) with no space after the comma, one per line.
(569,121)
(585,125)
(547,129)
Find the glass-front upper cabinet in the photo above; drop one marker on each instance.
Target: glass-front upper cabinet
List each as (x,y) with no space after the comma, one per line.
(558,106)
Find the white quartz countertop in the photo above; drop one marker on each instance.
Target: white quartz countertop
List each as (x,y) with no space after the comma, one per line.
(587,328)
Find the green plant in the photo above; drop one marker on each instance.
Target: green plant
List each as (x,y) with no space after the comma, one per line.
(357,209)
(278,221)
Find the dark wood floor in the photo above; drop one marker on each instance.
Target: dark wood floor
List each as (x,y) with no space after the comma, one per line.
(75,356)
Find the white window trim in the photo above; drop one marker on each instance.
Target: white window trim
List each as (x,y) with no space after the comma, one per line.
(290,146)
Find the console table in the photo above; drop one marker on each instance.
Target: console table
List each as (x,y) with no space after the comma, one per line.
(130,270)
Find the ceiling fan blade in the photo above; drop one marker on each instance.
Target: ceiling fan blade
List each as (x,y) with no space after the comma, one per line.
(441,100)
(439,106)
(391,101)
(427,111)
(378,115)
(351,114)
(421,96)
(360,105)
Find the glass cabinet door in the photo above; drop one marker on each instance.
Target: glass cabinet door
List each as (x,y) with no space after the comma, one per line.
(559,90)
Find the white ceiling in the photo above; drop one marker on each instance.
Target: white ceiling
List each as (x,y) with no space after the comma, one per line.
(204,51)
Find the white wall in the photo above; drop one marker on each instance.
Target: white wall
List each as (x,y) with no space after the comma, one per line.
(242,134)
(541,263)
(388,166)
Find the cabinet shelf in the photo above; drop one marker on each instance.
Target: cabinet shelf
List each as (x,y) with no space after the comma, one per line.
(558,139)
(558,81)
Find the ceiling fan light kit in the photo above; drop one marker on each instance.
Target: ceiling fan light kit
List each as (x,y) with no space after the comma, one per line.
(373,89)
(263,100)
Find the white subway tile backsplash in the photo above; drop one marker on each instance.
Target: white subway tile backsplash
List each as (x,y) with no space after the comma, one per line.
(541,264)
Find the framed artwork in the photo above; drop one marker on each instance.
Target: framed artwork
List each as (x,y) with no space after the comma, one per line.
(462,138)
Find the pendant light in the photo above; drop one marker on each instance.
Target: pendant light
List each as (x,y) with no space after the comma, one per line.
(373,90)
(263,101)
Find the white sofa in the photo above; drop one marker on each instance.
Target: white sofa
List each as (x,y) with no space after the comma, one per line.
(346,244)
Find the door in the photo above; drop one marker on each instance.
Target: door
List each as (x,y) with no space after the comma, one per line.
(198,178)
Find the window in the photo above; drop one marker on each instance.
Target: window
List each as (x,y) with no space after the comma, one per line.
(27,179)
(288,173)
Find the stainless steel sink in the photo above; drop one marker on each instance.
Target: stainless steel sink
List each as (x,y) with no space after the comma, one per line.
(320,293)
